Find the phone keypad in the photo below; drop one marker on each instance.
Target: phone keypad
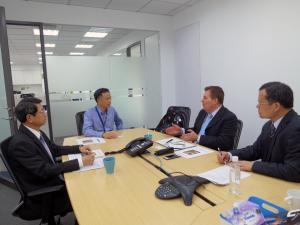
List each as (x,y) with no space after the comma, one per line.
(167,191)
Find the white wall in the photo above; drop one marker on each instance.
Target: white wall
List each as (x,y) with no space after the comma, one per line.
(242,45)
(76,15)
(187,66)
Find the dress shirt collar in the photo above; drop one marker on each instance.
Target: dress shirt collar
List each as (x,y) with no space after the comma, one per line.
(35,132)
(216,111)
(102,112)
(277,122)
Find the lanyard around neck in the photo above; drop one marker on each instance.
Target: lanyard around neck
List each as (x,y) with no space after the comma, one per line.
(103,123)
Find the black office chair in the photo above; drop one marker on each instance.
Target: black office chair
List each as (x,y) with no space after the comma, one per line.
(238,134)
(179,115)
(26,209)
(79,117)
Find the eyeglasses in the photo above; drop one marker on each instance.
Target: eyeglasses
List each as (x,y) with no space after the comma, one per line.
(42,111)
(264,103)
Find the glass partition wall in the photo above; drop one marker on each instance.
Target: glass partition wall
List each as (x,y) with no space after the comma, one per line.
(74,73)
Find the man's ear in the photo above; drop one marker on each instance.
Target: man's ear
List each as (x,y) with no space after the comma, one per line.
(29,118)
(277,106)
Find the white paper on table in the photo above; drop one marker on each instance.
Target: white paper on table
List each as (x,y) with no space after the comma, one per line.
(193,152)
(90,140)
(175,143)
(98,162)
(220,175)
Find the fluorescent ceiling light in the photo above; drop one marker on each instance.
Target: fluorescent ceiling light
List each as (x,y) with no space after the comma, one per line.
(118,53)
(40,62)
(47,53)
(47,45)
(84,46)
(11,62)
(76,53)
(40,58)
(46,32)
(95,34)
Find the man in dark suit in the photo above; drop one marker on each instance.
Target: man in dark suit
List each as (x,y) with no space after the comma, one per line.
(32,155)
(278,145)
(215,126)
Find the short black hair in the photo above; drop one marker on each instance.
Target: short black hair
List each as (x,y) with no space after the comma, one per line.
(99,92)
(26,106)
(216,92)
(279,92)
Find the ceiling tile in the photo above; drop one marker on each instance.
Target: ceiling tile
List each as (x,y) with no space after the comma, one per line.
(127,5)
(52,1)
(159,7)
(90,3)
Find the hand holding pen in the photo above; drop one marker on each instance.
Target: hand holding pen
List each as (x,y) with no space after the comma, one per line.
(223,157)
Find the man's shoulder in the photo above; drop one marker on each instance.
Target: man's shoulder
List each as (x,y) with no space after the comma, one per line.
(228,113)
(90,110)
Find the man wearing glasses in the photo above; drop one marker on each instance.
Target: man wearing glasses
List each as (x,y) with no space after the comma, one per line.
(32,156)
(278,145)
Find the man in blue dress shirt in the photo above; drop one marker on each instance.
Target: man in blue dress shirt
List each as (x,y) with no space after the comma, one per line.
(99,120)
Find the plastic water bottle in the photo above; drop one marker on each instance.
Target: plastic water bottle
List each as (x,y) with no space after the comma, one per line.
(234,176)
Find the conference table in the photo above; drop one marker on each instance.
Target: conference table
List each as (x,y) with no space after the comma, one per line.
(127,196)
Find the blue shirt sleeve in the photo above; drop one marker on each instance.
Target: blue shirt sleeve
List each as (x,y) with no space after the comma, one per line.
(118,121)
(88,127)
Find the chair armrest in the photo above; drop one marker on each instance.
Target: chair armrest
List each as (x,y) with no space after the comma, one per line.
(45,190)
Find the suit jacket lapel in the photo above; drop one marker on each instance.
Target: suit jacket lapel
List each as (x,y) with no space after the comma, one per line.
(28,133)
(282,125)
(217,117)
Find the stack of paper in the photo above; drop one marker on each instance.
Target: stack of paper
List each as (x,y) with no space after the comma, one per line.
(98,162)
(175,143)
(220,175)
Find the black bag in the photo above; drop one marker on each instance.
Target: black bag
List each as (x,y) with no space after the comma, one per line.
(179,115)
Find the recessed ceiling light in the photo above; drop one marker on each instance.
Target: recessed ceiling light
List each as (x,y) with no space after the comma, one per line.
(11,62)
(46,32)
(47,53)
(47,45)
(40,62)
(40,58)
(118,53)
(95,34)
(76,53)
(84,46)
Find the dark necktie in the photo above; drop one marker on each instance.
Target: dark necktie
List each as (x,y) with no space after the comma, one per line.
(42,140)
(272,130)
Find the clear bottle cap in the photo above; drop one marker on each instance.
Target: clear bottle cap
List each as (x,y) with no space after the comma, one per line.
(235,158)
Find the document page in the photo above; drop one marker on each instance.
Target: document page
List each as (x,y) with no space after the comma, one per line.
(193,152)
(220,175)
(98,163)
(90,140)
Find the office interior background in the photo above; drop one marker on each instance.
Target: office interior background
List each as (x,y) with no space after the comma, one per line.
(178,47)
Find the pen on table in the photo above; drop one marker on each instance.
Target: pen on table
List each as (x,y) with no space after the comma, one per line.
(169,140)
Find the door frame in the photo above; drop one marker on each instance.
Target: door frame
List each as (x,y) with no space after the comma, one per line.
(7,72)
(43,55)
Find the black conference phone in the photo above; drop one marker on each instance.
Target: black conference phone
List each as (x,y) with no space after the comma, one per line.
(138,146)
(183,185)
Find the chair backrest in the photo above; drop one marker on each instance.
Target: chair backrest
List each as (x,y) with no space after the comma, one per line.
(179,115)
(4,156)
(238,134)
(79,117)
